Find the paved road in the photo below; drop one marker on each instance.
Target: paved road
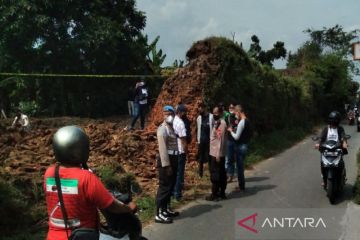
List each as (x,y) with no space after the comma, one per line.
(289,180)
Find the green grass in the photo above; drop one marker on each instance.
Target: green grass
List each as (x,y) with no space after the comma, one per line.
(147,208)
(357,183)
(20,214)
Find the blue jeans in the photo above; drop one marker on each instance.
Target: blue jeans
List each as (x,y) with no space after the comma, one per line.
(180,176)
(139,111)
(240,153)
(229,160)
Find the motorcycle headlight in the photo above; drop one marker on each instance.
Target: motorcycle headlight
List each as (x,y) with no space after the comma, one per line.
(336,161)
(325,161)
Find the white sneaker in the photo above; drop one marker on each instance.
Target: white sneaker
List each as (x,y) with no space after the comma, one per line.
(160,218)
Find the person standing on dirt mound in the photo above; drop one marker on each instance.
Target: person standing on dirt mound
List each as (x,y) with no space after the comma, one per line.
(181,133)
(21,121)
(130,101)
(140,104)
(167,164)
(73,211)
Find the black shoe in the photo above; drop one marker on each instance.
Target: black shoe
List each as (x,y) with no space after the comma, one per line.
(161,218)
(170,213)
(223,197)
(212,197)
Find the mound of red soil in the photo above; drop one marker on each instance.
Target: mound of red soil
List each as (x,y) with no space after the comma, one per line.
(26,156)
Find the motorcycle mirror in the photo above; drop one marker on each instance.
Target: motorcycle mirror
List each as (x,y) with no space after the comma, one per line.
(315,138)
(347,136)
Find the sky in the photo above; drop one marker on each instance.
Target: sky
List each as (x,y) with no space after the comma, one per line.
(179,23)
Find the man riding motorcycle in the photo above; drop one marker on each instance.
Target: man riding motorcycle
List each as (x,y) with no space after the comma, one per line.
(73,210)
(333,132)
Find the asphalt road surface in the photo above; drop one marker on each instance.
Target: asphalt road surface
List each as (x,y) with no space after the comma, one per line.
(291,179)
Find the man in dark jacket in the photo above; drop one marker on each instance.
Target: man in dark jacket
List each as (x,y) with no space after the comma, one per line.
(140,104)
(204,124)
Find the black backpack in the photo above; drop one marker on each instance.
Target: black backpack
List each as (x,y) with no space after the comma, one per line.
(187,124)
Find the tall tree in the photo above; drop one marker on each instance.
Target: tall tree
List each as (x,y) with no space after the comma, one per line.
(325,58)
(266,57)
(72,36)
(333,39)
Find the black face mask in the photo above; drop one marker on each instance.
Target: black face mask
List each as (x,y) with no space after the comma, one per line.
(216,118)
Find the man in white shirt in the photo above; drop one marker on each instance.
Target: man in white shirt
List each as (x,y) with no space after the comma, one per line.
(21,121)
(180,131)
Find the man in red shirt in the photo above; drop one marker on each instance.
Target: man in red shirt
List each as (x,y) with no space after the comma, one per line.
(82,192)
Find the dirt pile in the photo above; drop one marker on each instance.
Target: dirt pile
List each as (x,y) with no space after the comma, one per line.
(25,156)
(187,85)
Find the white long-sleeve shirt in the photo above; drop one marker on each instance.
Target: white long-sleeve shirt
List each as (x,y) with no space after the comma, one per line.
(239,130)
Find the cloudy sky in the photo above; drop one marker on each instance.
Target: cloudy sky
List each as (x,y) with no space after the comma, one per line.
(182,22)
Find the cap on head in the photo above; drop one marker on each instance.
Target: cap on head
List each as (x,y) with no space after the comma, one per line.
(169,108)
(71,145)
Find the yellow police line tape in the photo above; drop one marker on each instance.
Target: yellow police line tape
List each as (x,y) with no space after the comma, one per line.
(78,75)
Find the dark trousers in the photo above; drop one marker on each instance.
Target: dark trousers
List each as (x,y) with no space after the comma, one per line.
(218,176)
(140,111)
(166,183)
(203,157)
(180,178)
(123,223)
(240,152)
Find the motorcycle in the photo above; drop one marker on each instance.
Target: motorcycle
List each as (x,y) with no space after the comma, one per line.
(126,226)
(351,117)
(332,161)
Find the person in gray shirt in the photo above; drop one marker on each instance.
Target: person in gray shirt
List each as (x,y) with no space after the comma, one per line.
(167,164)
